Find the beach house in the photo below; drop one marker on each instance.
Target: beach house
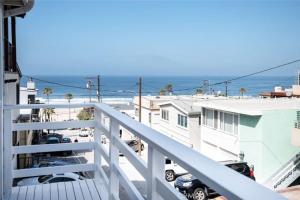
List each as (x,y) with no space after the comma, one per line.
(181,120)
(255,130)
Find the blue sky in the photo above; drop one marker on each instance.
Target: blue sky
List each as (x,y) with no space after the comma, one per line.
(158,37)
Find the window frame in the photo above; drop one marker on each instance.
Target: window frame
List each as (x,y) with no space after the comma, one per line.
(219,122)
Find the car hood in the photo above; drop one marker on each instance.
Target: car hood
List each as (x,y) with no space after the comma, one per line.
(29,181)
(186,178)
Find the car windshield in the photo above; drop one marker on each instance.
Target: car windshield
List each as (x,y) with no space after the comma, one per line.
(42,179)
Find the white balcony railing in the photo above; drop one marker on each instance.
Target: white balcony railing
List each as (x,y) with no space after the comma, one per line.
(222,179)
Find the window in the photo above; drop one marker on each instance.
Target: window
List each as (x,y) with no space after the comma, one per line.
(199,120)
(56,180)
(182,120)
(165,114)
(236,124)
(227,122)
(215,119)
(208,117)
(168,161)
(149,117)
(42,179)
(221,126)
(67,179)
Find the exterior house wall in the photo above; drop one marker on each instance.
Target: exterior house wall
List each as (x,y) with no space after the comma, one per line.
(189,135)
(219,145)
(170,127)
(195,131)
(266,141)
(251,142)
(278,149)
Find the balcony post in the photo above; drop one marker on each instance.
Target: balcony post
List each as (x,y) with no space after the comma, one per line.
(7,155)
(1,98)
(97,141)
(114,160)
(156,165)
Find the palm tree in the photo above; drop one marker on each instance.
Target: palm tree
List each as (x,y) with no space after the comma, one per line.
(47,91)
(169,88)
(199,91)
(69,96)
(48,112)
(242,91)
(162,92)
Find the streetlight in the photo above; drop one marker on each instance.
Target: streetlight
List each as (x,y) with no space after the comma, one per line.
(89,85)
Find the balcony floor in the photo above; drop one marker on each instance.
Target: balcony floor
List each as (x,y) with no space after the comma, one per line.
(89,189)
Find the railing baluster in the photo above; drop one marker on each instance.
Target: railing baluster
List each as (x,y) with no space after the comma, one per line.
(97,141)
(156,163)
(114,160)
(7,155)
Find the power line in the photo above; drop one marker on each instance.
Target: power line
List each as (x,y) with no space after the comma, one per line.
(264,70)
(244,76)
(56,83)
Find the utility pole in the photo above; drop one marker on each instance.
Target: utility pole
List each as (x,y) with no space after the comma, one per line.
(98,89)
(90,84)
(140,112)
(226,88)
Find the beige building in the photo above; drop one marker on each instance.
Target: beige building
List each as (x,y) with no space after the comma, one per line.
(150,108)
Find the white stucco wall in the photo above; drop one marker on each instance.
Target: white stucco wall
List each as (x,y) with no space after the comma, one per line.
(219,145)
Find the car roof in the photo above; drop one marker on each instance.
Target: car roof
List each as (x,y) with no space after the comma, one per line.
(229,162)
(53,138)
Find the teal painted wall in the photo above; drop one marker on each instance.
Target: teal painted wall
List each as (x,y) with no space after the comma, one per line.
(250,129)
(266,140)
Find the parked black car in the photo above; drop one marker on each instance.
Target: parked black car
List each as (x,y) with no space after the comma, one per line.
(66,140)
(56,138)
(56,135)
(194,189)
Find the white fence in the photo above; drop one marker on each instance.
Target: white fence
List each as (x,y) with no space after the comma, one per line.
(222,179)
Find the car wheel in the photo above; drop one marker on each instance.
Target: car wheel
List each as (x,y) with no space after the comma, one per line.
(169,175)
(199,194)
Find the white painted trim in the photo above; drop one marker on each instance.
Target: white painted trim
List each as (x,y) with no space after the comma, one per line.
(215,175)
(131,190)
(166,191)
(102,151)
(52,125)
(32,106)
(113,160)
(52,147)
(104,176)
(140,164)
(19,173)
(7,157)
(1,98)
(203,168)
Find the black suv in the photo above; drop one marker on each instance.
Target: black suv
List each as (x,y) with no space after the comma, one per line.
(194,189)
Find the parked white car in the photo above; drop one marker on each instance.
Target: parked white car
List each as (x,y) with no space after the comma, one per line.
(54,178)
(172,170)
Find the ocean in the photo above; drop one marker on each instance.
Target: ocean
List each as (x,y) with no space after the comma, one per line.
(127,86)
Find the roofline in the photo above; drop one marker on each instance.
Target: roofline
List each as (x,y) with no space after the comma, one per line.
(233,110)
(180,108)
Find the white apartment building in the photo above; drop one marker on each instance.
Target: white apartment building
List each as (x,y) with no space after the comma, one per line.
(257,130)
(181,120)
